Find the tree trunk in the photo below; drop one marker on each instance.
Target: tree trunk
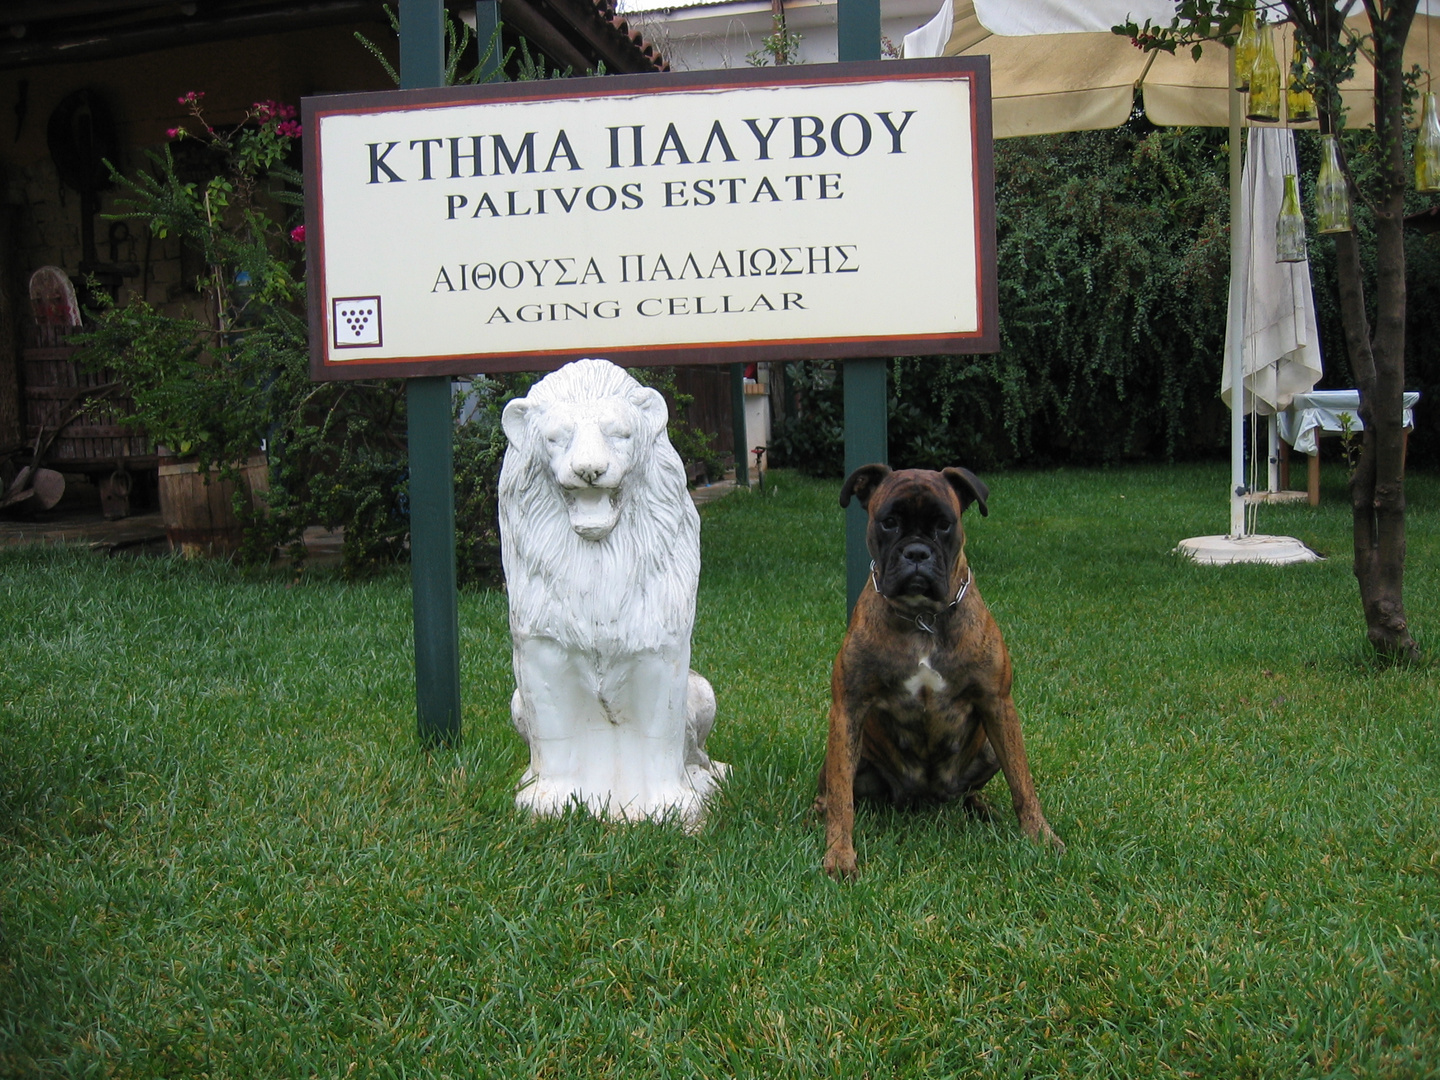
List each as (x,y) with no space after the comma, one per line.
(1377,488)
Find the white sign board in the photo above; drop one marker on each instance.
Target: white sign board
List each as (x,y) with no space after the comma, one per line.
(828,211)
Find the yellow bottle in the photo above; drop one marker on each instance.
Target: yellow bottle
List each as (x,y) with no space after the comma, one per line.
(1299,102)
(1427,148)
(1246,46)
(1264,103)
(1332,195)
(1290,225)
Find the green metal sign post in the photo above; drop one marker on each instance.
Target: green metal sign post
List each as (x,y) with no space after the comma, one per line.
(866,407)
(487,40)
(432,468)
(737,425)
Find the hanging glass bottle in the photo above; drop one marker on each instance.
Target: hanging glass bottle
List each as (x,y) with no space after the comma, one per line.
(1427,148)
(1299,102)
(1332,196)
(1264,103)
(1290,225)
(1246,46)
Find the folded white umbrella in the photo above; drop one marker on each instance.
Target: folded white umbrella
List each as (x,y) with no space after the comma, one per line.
(1272,305)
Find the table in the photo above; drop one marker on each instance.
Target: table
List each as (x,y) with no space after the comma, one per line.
(1319,413)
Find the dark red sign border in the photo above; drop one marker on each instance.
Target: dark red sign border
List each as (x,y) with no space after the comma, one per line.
(986,339)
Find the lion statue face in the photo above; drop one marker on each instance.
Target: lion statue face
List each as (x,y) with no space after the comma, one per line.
(590,447)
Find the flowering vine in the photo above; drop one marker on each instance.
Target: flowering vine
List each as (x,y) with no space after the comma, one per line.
(230,214)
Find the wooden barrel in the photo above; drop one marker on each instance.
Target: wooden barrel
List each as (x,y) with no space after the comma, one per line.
(200,516)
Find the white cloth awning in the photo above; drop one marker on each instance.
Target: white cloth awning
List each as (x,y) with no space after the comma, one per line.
(1078,76)
(1009,19)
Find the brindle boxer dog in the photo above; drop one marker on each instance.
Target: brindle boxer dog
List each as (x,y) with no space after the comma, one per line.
(920,707)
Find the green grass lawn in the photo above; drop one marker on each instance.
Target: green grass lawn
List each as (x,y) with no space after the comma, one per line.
(222,855)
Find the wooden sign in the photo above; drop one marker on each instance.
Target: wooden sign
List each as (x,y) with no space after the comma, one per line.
(841,210)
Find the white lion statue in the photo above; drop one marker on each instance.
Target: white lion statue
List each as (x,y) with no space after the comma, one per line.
(601,548)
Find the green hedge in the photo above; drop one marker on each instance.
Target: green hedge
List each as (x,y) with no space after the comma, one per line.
(1113,251)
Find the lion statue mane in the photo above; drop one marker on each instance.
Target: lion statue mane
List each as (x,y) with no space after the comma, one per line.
(600,543)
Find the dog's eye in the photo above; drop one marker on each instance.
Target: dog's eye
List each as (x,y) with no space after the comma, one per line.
(943,529)
(889,522)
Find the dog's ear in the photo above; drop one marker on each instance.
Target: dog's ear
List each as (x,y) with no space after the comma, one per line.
(969,487)
(862,484)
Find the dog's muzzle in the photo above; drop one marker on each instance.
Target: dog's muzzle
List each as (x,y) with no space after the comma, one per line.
(915,571)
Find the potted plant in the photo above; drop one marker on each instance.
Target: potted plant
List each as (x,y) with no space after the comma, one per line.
(204,380)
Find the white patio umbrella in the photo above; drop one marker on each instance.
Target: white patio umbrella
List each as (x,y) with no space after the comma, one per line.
(1056,66)
(1272,307)
(1272,344)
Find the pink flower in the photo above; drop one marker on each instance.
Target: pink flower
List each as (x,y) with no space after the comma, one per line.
(272,110)
(289,129)
(192,98)
(175,133)
(297,234)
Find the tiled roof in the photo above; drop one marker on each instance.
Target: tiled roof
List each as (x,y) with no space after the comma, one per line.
(609,11)
(579,32)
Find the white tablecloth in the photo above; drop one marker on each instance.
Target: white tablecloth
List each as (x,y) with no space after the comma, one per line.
(1319,411)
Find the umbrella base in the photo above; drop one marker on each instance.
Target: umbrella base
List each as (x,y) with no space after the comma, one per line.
(1225,550)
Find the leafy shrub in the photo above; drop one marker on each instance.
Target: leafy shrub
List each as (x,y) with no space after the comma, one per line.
(811,437)
(479,452)
(1113,258)
(696,448)
(1113,274)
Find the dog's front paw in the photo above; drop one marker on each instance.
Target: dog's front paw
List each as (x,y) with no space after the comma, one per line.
(1040,832)
(839,863)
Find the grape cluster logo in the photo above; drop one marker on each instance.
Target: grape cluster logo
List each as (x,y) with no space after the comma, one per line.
(356,322)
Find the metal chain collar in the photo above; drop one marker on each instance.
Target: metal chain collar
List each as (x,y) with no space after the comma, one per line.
(929,627)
